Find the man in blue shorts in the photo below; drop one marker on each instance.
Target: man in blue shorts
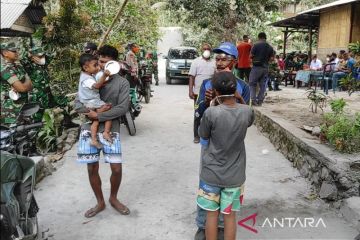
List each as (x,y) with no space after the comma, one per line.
(115,92)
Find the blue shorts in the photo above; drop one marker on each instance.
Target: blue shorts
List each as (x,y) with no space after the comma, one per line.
(90,154)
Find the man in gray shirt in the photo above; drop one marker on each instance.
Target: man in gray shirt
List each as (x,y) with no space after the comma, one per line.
(116,92)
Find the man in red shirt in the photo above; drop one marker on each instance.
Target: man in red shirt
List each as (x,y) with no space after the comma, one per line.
(244,61)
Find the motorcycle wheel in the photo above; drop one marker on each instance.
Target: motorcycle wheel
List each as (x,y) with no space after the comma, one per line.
(129,123)
(147,92)
(139,93)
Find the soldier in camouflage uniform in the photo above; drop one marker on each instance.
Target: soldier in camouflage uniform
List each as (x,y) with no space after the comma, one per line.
(15,84)
(274,75)
(36,65)
(154,64)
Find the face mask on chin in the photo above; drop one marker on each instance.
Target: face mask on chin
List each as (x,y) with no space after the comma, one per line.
(206,54)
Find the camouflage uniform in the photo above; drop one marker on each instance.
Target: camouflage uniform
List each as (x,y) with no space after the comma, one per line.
(131,61)
(274,75)
(10,73)
(154,63)
(41,81)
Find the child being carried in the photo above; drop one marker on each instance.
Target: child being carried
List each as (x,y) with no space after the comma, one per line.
(89,95)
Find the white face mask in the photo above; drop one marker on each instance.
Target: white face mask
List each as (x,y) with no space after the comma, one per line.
(206,54)
(212,103)
(14,95)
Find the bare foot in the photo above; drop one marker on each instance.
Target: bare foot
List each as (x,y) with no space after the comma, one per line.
(107,137)
(96,144)
(121,208)
(95,210)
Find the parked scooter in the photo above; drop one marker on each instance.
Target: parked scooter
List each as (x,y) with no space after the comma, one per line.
(145,78)
(18,209)
(19,138)
(134,106)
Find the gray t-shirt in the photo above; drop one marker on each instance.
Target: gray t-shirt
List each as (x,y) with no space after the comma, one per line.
(223,160)
(201,69)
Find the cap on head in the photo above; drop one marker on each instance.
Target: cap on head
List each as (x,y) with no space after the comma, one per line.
(37,51)
(227,48)
(10,46)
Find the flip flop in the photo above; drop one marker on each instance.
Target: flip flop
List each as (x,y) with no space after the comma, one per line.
(124,211)
(92,212)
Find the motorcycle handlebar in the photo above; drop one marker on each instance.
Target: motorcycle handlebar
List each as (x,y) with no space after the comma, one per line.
(30,126)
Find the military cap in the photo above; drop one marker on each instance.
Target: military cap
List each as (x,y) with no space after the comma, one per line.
(9,46)
(37,51)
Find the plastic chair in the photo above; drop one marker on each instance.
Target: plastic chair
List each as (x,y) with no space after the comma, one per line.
(326,77)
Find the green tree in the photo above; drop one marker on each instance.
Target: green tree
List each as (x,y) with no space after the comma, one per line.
(64,32)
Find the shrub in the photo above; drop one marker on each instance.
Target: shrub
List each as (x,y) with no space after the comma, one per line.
(342,130)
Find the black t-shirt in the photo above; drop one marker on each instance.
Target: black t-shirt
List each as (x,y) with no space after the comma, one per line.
(262,52)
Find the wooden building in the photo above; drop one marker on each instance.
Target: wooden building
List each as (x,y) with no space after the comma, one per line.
(337,24)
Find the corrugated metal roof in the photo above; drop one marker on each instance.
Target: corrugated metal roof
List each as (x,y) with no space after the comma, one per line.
(333,4)
(11,11)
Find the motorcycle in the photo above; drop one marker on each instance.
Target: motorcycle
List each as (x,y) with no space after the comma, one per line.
(19,138)
(134,106)
(18,207)
(145,78)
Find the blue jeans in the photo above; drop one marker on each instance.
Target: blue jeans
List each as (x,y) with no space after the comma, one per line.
(335,78)
(201,219)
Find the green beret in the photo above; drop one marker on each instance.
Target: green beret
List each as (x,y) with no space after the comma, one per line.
(9,46)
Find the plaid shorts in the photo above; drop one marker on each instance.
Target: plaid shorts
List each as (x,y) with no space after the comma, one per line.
(90,154)
(211,198)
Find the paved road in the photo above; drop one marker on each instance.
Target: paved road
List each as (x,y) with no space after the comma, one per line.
(160,183)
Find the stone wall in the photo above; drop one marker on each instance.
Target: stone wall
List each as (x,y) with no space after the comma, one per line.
(45,165)
(335,176)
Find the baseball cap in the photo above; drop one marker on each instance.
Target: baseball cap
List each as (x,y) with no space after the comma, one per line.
(11,46)
(228,48)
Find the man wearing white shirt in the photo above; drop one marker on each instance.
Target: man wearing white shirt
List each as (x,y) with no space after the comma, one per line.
(202,68)
(316,63)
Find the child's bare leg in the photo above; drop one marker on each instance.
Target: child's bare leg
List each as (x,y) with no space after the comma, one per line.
(94,128)
(103,108)
(107,130)
(230,226)
(211,228)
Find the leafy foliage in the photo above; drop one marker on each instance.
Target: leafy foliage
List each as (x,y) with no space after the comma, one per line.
(215,21)
(317,99)
(342,131)
(51,130)
(350,84)
(337,106)
(71,23)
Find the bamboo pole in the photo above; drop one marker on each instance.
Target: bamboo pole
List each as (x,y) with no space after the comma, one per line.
(113,23)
